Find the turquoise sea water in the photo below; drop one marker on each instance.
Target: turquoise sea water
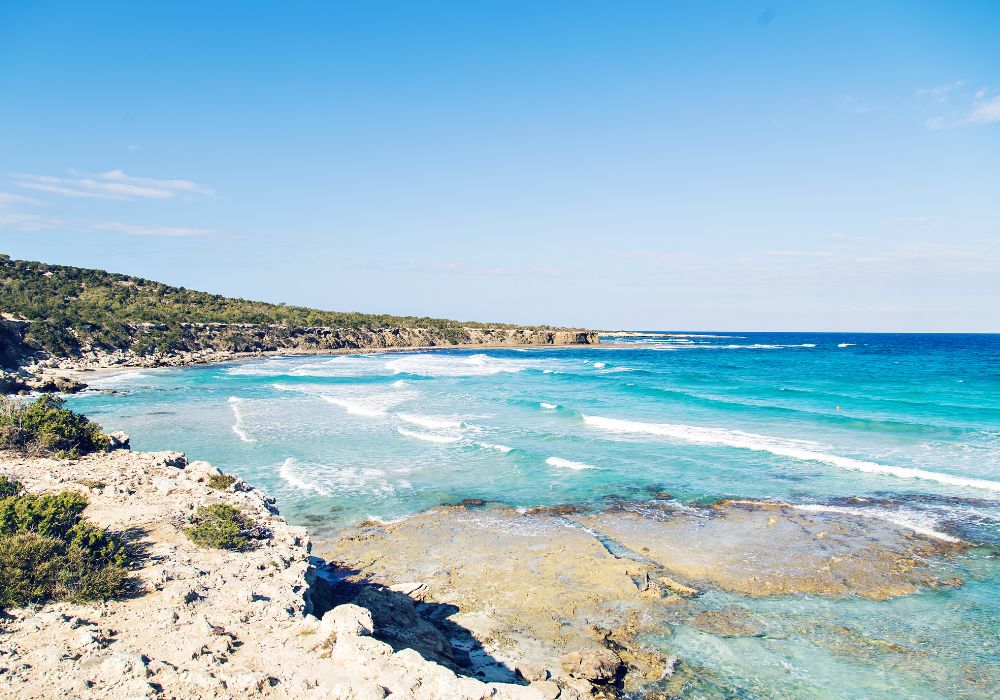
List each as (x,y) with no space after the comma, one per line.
(899,427)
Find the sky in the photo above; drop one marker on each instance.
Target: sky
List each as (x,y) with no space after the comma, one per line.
(813,166)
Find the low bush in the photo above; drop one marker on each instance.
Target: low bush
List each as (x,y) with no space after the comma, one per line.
(45,426)
(221,526)
(221,481)
(49,551)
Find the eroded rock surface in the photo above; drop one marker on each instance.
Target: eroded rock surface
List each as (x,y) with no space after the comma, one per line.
(203,623)
(568,596)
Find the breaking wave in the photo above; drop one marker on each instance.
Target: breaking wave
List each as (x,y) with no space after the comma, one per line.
(795,449)
(567,464)
(286,472)
(237,427)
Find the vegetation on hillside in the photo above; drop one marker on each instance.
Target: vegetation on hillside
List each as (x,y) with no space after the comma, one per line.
(222,526)
(49,551)
(71,306)
(45,427)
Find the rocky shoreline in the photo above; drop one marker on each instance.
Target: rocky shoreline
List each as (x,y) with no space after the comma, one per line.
(575,597)
(206,623)
(476,600)
(208,343)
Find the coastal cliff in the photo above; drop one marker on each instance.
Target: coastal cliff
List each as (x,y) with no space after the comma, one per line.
(202,622)
(199,343)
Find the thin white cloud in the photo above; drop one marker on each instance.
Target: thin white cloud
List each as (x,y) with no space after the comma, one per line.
(800,253)
(30,223)
(985,112)
(27,222)
(7,198)
(978,109)
(448,267)
(141,230)
(857,104)
(940,92)
(114,184)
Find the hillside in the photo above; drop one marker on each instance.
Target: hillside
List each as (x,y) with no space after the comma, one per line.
(77,312)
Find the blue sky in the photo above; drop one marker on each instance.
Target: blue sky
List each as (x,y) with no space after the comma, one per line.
(695,165)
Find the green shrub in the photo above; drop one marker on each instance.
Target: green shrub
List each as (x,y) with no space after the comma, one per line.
(221,481)
(221,526)
(48,551)
(46,427)
(8,487)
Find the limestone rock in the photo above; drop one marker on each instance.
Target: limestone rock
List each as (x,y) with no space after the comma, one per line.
(119,441)
(599,665)
(210,623)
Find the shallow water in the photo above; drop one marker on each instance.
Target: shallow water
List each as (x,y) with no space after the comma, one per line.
(904,428)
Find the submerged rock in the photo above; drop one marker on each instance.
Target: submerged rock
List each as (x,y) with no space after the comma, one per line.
(597,666)
(528,586)
(731,622)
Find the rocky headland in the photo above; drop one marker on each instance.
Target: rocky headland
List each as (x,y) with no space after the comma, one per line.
(209,623)
(475,600)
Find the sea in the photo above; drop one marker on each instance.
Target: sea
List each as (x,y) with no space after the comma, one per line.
(903,428)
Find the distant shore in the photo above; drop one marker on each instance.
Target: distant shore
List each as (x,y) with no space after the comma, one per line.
(81,367)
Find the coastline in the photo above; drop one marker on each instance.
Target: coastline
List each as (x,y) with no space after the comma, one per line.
(207,623)
(235,358)
(550,602)
(633,573)
(79,368)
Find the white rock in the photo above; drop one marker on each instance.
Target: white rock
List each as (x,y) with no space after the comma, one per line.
(346,620)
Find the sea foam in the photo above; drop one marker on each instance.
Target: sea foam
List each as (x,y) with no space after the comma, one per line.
(796,449)
(237,427)
(432,422)
(906,520)
(428,437)
(286,472)
(567,464)
(440,365)
(491,446)
(358,402)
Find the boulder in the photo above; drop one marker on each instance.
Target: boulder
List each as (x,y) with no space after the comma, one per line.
(68,385)
(346,621)
(597,666)
(118,441)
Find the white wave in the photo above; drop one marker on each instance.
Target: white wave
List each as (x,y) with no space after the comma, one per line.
(431,422)
(438,365)
(796,449)
(600,365)
(123,378)
(490,446)
(615,370)
(758,346)
(711,346)
(428,437)
(357,407)
(286,473)
(237,427)
(547,406)
(340,366)
(844,345)
(909,521)
(399,383)
(546,371)
(567,463)
(356,401)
